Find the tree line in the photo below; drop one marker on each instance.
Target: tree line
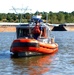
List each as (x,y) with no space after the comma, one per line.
(51,17)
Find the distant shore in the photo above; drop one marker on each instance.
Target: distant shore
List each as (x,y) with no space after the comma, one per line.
(7,29)
(11,27)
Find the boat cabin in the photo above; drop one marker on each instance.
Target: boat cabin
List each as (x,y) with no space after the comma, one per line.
(25,30)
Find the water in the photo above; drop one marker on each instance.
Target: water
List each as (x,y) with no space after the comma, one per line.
(61,63)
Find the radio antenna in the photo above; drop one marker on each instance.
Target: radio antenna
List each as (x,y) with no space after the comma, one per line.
(23,10)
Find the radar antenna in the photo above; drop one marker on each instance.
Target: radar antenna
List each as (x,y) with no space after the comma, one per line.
(23,10)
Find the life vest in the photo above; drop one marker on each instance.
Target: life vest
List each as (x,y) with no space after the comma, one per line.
(36,29)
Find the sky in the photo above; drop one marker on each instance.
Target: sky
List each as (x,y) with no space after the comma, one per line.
(9,6)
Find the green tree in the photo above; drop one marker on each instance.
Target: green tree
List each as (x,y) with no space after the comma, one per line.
(14,17)
(9,17)
(61,17)
(1,17)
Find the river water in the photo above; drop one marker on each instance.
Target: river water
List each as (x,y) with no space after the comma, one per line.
(61,63)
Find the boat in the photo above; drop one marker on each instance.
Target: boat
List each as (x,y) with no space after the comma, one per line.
(25,44)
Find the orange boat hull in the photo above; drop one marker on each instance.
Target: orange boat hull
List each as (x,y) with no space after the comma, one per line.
(32,45)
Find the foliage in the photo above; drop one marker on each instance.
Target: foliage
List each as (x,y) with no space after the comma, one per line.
(59,17)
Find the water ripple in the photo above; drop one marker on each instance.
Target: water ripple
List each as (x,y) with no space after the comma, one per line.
(62,63)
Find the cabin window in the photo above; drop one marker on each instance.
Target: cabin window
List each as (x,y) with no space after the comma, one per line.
(22,32)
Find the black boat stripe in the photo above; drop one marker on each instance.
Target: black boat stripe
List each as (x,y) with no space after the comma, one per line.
(25,44)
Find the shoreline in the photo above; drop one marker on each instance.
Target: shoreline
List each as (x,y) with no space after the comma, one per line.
(7,28)
(12,28)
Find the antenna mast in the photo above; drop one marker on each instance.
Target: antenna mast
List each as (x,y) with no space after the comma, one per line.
(23,10)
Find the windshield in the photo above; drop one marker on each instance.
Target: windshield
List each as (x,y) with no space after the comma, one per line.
(22,32)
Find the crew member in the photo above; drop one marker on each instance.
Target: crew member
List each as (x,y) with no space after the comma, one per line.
(37,31)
